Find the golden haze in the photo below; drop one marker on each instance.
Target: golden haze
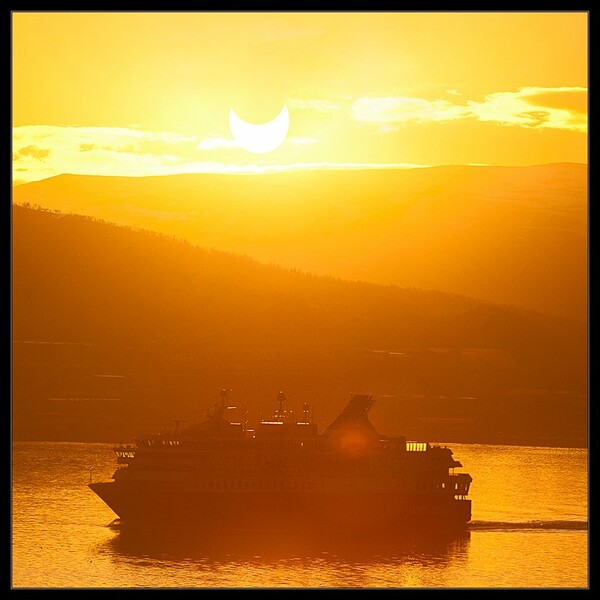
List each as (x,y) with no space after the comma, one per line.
(134,95)
(128,313)
(150,93)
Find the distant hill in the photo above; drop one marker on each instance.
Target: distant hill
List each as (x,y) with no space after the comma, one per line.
(509,235)
(116,329)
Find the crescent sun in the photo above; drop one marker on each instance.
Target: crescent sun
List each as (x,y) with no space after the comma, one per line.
(260,138)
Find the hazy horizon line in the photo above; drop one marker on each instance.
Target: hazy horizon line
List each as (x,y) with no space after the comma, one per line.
(222,169)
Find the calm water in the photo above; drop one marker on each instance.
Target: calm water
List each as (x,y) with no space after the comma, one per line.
(529,531)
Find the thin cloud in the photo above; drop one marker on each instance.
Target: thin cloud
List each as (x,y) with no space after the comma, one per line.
(34,152)
(316,104)
(531,107)
(138,153)
(214,143)
(219,143)
(398,109)
(87,139)
(527,108)
(98,150)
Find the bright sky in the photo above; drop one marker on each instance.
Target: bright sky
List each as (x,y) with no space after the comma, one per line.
(119,93)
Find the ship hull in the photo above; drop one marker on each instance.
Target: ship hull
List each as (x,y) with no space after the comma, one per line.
(180,504)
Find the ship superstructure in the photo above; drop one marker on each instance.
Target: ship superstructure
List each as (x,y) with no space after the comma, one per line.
(285,474)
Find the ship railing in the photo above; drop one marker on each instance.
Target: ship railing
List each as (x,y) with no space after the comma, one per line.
(458,484)
(158,441)
(124,456)
(391,443)
(124,452)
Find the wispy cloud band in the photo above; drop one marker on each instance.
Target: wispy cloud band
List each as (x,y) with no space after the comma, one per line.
(532,107)
(43,151)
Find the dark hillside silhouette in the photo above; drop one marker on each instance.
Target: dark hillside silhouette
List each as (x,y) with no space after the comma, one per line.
(508,235)
(116,329)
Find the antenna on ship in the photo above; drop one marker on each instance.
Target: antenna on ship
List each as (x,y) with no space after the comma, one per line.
(220,408)
(280,399)
(177,421)
(305,409)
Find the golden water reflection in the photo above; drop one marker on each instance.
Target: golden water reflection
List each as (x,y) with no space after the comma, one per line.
(288,559)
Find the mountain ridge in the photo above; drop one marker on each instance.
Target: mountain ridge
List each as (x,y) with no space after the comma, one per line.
(326,169)
(513,235)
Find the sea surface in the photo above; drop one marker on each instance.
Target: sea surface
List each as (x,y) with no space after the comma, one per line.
(529,530)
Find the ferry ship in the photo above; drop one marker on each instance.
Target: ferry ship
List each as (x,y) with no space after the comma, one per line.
(284,474)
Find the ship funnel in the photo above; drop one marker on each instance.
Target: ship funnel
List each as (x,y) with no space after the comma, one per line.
(355,414)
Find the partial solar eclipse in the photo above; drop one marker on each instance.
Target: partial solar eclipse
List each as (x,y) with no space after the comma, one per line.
(259,138)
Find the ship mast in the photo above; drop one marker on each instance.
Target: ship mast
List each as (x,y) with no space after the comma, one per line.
(280,398)
(305,409)
(220,406)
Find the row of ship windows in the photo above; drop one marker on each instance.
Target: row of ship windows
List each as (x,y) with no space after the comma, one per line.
(257,485)
(239,445)
(291,485)
(410,446)
(288,485)
(430,485)
(249,458)
(327,469)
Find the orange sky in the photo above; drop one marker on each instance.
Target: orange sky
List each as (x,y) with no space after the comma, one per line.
(150,93)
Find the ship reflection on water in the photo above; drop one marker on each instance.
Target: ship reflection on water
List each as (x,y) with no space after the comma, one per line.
(256,547)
